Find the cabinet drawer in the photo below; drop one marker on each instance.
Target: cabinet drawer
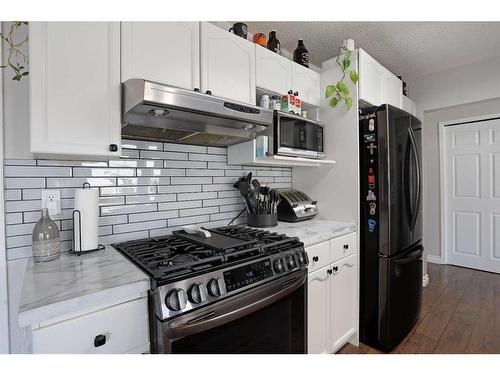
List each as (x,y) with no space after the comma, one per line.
(343,246)
(319,255)
(124,326)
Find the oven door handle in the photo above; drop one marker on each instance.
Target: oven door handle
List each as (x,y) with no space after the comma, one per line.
(250,304)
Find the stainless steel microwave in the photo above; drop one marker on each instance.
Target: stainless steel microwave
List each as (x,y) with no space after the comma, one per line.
(297,136)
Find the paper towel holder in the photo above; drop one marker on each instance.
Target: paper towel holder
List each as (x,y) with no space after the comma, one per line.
(79,215)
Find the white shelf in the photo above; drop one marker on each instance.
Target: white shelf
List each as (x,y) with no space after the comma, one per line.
(244,153)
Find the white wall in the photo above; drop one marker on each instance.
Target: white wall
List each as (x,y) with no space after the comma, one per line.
(467,91)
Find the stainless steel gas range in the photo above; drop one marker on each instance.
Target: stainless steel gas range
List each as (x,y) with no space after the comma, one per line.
(240,290)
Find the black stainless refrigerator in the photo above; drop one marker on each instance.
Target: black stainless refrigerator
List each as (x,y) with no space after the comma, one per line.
(391,225)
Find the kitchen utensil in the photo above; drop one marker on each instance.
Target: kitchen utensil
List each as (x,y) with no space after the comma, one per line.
(193,229)
(240,29)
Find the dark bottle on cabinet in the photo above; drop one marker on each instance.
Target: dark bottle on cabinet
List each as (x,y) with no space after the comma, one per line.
(273,43)
(301,54)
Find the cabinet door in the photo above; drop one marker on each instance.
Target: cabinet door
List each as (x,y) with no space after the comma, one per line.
(227,64)
(273,72)
(344,300)
(306,82)
(371,77)
(75,88)
(318,312)
(164,52)
(392,89)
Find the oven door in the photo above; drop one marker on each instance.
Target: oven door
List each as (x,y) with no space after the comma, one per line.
(296,136)
(268,319)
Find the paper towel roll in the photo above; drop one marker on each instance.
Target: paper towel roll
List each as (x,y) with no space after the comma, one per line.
(87,202)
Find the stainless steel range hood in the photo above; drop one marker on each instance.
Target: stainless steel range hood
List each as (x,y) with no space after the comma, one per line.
(153,111)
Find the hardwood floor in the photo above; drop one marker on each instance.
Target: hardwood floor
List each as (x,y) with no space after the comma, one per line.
(460,314)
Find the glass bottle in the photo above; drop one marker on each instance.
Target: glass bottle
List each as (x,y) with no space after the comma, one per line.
(273,43)
(45,239)
(301,54)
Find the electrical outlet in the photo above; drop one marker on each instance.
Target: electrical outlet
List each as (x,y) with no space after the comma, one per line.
(51,199)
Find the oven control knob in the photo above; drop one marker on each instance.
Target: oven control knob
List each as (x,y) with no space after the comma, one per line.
(176,299)
(197,293)
(215,287)
(302,258)
(278,265)
(290,261)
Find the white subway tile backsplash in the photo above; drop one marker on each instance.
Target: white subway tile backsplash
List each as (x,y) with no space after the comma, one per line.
(152,189)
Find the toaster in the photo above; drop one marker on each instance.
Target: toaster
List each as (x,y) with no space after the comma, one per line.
(296,206)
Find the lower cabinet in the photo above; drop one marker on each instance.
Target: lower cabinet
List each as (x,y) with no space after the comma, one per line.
(118,329)
(333,297)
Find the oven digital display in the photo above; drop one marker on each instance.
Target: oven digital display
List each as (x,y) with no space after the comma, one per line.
(246,275)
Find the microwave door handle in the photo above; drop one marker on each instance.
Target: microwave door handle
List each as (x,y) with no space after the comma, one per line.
(248,305)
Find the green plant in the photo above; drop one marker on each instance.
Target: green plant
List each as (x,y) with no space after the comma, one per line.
(340,92)
(14,51)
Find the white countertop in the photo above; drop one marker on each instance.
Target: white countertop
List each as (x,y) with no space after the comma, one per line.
(76,283)
(314,231)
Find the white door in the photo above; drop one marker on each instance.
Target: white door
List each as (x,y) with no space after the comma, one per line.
(307,82)
(164,52)
(273,71)
(227,64)
(472,195)
(75,88)
(318,311)
(344,300)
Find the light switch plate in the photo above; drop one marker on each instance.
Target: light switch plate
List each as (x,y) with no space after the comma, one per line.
(51,199)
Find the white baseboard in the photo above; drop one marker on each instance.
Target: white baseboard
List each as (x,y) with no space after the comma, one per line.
(425,280)
(434,259)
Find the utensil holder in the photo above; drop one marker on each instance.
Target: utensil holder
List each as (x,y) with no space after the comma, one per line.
(262,220)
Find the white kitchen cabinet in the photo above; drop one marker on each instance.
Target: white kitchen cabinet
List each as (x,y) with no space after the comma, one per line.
(408,105)
(333,296)
(344,300)
(227,64)
(163,52)
(307,83)
(118,329)
(371,79)
(273,72)
(318,311)
(392,88)
(75,88)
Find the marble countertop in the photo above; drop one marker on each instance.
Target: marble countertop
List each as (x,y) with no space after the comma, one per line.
(314,231)
(76,283)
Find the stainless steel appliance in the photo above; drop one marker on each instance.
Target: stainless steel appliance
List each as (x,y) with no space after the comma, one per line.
(154,111)
(391,225)
(238,290)
(298,136)
(296,206)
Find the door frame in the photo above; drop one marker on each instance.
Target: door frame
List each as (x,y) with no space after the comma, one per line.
(442,201)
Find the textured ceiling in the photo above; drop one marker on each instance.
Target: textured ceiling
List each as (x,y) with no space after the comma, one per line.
(410,49)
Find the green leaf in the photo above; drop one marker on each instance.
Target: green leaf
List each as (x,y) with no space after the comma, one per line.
(342,87)
(346,63)
(25,73)
(354,76)
(330,89)
(348,54)
(334,101)
(348,102)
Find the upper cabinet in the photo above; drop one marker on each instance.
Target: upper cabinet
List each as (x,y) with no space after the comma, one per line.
(392,89)
(227,64)
(307,82)
(75,88)
(273,71)
(164,52)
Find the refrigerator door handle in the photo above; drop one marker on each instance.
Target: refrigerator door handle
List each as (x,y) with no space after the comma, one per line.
(416,158)
(406,186)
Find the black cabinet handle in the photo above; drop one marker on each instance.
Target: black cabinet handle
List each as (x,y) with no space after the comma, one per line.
(329,272)
(346,247)
(315,259)
(335,268)
(196,89)
(208,92)
(113,147)
(99,340)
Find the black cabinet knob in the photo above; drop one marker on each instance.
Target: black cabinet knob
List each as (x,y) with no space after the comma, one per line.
(315,259)
(335,268)
(99,340)
(208,92)
(329,272)
(113,147)
(196,89)
(346,247)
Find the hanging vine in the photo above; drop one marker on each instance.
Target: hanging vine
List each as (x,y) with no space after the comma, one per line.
(16,59)
(340,92)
